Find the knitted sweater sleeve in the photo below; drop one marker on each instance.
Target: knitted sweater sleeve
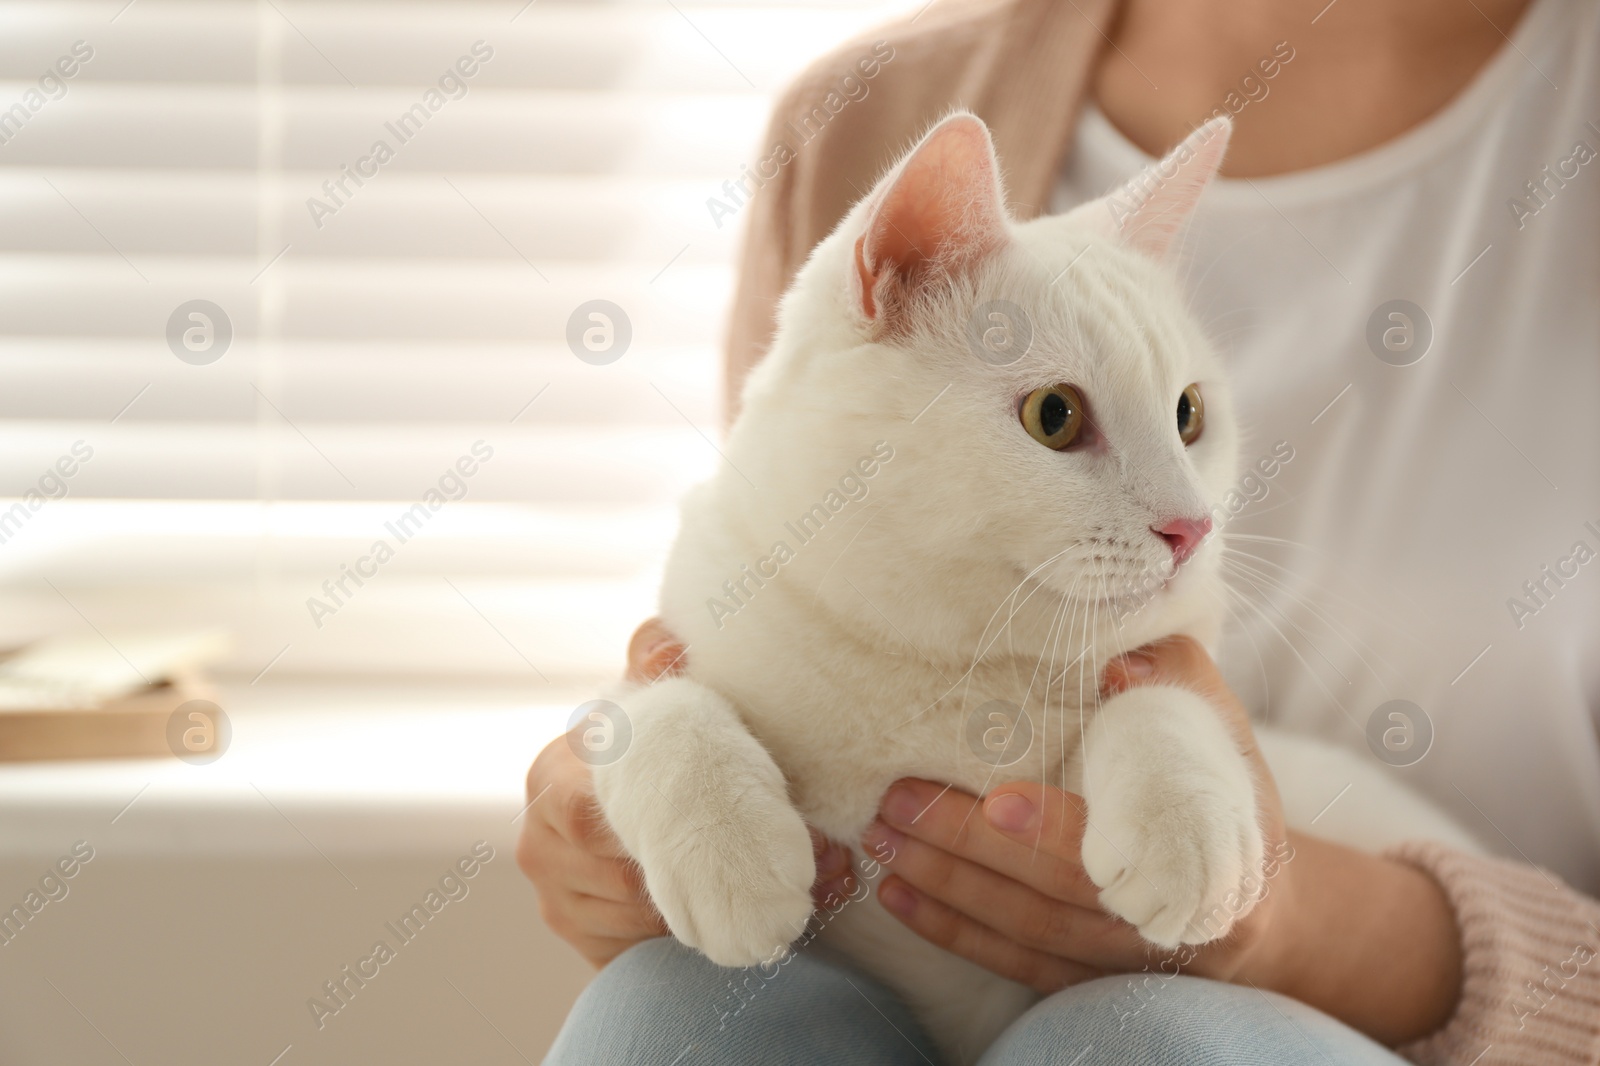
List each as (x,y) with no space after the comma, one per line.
(1531,960)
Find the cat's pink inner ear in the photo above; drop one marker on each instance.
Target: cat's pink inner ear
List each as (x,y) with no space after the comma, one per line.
(942,209)
(1152,208)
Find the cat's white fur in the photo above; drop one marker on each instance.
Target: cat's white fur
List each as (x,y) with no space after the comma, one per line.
(973,565)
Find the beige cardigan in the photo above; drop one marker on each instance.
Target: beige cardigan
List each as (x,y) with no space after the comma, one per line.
(1531,994)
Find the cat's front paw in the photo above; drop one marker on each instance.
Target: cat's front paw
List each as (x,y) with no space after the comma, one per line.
(739,893)
(1174,844)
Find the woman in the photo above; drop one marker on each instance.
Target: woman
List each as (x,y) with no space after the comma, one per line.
(1401,268)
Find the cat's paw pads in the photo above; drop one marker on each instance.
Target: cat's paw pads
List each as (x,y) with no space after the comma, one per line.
(1180,872)
(739,898)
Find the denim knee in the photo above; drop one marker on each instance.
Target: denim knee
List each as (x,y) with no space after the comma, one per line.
(660,1003)
(1155,1019)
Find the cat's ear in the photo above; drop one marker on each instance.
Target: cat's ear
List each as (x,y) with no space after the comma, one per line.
(937,213)
(1151,208)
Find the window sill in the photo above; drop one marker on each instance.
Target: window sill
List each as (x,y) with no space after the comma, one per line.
(338,768)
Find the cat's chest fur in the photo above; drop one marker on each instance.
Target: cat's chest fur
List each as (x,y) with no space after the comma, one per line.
(844,719)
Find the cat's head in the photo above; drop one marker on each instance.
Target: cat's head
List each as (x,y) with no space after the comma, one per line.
(1054,408)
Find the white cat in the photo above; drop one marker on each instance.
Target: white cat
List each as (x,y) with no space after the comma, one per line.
(979,461)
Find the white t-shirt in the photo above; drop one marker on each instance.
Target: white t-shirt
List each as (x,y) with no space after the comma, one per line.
(1421,498)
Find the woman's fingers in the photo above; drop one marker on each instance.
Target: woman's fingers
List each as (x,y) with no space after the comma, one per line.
(835,877)
(654,653)
(1177,660)
(1015,910)
(589,902)
(576,817)
(1030,833)
(617,880)
(558,866)
(1018,911)
(943,925)
(589,894)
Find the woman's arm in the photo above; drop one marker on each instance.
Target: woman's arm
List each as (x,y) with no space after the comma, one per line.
(1421,941)
(1368,940)
(1531,963)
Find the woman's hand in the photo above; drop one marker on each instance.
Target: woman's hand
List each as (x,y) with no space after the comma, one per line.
(1000,882)
(590,893)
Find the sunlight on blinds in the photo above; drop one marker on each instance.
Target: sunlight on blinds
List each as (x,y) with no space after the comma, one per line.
(290,293)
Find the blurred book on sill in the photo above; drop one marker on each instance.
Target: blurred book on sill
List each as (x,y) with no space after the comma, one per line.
(114,696)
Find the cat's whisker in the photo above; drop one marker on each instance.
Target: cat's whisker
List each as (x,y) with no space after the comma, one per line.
(1213,319)
(1287,581)
(1253,514)
(1057,631)
(1273,603)
(1321,587)
(1231,547)
(1048,665)
(1264,538)
(1265,596)
(1220,336)
(1055,681)
(1010,597)
(1068,615)
(1061,700)
(980,653)
(1308,591)
(1315,677)
(1261,660)
(1006,627)
(1091,622)
(1354,643)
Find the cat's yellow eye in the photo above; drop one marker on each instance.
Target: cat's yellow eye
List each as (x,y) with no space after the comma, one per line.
(1053,415)
(1191,415)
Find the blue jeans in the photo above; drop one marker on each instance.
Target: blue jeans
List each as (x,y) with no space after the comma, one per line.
(661,1004)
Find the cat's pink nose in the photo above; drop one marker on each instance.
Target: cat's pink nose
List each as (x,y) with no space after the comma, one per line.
(1184,535)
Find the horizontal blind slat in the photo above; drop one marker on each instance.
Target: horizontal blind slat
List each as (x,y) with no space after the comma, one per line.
(426,216)
(568,464)
(447,302)
(164,128)
(321,385)
(600,47)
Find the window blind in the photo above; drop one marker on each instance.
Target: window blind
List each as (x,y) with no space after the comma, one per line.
(277,274)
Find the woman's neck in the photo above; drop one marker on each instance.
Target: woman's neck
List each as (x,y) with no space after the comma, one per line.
(1362,72)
